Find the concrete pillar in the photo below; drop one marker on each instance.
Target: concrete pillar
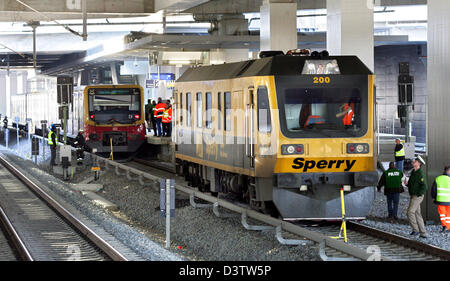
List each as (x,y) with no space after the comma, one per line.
(278,25)
(3,93)
(438,119)
(350,29)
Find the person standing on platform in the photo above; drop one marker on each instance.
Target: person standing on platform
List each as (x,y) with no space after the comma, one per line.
(417,186)
(148,112)
(440,192)
(152,117)
(399,153)
(158,113)
(167,120)
(392,182)
(53,143)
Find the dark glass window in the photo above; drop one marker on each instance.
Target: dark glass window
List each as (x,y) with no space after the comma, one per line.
(264,121)
(188,109)
(208,121)
(227,111)
(199,110)
(219,111)
(180,107)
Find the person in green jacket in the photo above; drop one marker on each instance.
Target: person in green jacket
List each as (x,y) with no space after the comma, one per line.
(148,111)
(391,179)
(417,186)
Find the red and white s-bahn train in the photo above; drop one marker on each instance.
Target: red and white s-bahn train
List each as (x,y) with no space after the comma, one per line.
(106,113)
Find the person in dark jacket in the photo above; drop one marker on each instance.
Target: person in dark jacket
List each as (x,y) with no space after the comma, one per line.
(391,179)
(440,192)
(80,143)
(53,143)
(417,186)
(148,110)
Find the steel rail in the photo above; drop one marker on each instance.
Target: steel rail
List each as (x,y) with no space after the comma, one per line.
(15,237)
(89,233)
(399,240)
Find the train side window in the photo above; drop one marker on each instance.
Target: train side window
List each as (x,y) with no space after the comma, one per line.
(264,121)
(188,109)
(180,107)
(219,111)
(227,112)
(208,121)
(199,110)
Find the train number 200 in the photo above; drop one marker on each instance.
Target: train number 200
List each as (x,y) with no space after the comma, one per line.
(321,80)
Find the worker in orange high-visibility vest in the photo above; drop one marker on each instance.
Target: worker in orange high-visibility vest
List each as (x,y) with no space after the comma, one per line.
(347,110)
(158,113)
(167,120)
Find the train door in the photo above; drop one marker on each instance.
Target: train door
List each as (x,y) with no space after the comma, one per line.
(249,159)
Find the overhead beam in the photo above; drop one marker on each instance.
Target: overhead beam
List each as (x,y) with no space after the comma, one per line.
(175,6)
(11,10)
(253,6)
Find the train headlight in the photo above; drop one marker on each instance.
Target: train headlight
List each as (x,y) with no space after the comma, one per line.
(287,149)
(358,148)
(290,149)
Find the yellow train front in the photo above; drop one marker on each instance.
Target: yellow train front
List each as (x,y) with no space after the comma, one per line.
(284,133)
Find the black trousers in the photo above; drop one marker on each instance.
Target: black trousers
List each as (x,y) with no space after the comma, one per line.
(154,125)
(53,155)
(167,129)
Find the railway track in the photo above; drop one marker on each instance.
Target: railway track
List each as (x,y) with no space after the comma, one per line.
(365,243)
(42,229)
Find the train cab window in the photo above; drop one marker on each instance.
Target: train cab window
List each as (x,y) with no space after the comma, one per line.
(199,110)
(227,112)
(264,121)
(188,109)
(322,112)
(219,111)
(208,121)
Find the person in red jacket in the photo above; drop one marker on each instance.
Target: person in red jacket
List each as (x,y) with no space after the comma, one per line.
(158,113)
(167,120)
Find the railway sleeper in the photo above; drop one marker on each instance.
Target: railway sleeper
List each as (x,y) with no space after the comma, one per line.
(324,257)
(253,227)
(284,241)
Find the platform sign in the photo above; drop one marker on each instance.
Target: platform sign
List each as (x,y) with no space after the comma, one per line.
(152,83)
(163,197)
(162,76)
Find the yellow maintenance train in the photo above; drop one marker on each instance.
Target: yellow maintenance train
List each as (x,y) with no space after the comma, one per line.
(284,133)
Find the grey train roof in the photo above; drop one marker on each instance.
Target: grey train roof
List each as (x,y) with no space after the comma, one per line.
(276,65)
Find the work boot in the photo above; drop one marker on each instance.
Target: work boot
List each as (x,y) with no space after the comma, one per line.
(414,233)
(423,235)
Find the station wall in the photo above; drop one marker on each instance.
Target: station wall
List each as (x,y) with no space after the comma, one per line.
(387,59)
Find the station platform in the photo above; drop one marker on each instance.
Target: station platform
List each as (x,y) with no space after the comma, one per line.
(158,140)
(161,148)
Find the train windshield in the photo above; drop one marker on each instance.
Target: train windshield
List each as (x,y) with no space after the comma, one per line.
(119,105)
(323,112)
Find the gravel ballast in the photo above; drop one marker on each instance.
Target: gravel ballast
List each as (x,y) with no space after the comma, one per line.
(197,234)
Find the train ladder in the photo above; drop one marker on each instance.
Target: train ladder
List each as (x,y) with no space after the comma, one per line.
(111,155)
(343,225)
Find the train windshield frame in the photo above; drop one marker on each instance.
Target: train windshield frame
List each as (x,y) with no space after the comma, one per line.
(335,109)
(117,103)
